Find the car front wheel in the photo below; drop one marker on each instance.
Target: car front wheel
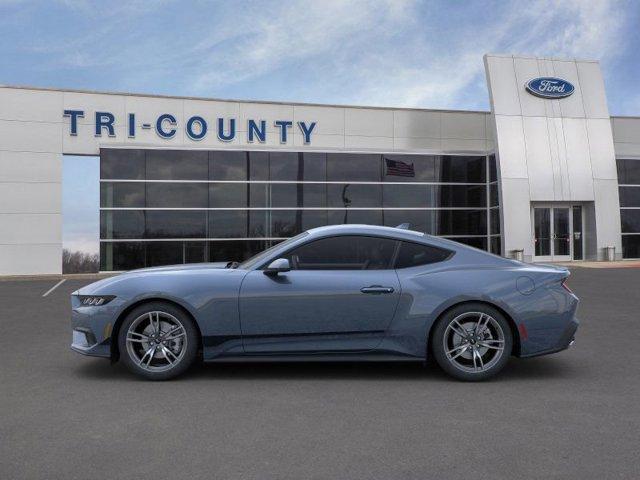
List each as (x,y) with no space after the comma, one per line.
(158,341)
(472,342)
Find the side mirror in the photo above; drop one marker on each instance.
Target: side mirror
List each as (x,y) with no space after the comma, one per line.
(277,266)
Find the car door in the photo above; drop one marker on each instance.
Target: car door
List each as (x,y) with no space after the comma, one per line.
(340,295)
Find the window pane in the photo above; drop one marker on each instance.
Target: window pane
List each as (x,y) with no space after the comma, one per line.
(461,169)
(401,196)
(177,195)
(121,256)
(228,223)
(460,222)
(628,171)
(496,245)
(258,166)
(228,165)
(286,223)
(177,165)
(228,195)
(122,224)
(460,195)
(354,195)
(495,220)
(631,246)
(494,198)
(126,164)
(629,196)
(176,224)
(417,219)
(493,169)
(195,252)
(164,253)
(258,223)
(234,251)
(364,217)
(258,194)
(298,195)
(477,242)
(129,195)
(285,166)
(344,253)
(414,254)
(353,167)
(630,221)
(315,166)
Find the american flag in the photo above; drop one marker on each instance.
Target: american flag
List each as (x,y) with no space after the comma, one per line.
(397,168)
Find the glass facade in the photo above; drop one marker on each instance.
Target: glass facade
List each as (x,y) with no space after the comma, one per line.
(629,190)
(160,207)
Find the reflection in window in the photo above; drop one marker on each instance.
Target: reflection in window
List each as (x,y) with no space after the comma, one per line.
(117,256)
(127,195)
(176,165)
(279,194)
(116,224)
(354,167)
(228,165)
(354,195)
(176,224)
(125,164)
(177,195)
(228,223)
(229,195)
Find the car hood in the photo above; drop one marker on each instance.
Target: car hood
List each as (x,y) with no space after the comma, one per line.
(101,285)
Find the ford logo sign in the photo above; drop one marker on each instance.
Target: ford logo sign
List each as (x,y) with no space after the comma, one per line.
(549,87)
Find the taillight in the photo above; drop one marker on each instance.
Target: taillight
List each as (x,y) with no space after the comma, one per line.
(565,286)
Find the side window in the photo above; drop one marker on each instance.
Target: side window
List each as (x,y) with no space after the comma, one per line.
(344,253)
(414,254)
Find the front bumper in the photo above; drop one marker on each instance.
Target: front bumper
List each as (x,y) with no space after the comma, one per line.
(566,339)
(92,327)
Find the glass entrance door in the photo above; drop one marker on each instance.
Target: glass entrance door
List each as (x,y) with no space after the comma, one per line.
(557,233)
(561,250)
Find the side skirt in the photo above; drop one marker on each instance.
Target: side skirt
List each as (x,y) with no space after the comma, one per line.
(317,357)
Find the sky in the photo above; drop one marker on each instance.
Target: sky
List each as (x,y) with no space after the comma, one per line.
(400,53)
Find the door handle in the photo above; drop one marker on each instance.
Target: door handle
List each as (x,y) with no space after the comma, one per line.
(376,289)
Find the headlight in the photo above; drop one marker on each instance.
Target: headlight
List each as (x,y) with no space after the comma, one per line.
(95,300)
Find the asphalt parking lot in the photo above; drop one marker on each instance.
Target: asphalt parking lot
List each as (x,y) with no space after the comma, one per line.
(575,414)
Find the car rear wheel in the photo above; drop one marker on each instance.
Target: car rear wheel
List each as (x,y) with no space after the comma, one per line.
(472,342)
(158,341)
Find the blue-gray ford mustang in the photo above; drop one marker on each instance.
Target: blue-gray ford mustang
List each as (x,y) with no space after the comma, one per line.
(348,292)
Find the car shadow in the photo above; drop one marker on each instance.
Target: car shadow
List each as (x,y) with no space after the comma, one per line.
(518,370)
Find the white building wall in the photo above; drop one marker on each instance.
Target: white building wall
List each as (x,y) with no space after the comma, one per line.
(553,150)
(30,182)
(626,136)
(34,135)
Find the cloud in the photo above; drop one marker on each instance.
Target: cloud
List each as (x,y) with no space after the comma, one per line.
(386,52)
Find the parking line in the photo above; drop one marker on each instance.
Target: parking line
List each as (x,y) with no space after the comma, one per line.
(54,287)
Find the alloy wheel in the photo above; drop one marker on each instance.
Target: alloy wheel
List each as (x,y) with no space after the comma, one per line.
(474,342)
(156,341)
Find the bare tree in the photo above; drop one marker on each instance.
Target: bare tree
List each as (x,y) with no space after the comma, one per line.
(80,262)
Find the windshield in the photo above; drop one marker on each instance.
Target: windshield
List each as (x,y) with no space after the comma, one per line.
(259,257)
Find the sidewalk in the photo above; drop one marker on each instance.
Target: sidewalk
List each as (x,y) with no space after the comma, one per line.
(616,264)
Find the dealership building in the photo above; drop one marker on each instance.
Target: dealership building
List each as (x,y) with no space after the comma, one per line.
(546,175)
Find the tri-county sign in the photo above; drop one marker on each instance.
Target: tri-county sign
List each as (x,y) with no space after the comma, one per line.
(549,87)
(196,127)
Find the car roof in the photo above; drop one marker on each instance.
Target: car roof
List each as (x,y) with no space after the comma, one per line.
(355,229)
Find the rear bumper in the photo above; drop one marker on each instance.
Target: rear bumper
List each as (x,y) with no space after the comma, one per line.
(565,340)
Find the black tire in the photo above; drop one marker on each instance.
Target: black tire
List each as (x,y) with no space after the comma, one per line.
(495,334)
(160,366)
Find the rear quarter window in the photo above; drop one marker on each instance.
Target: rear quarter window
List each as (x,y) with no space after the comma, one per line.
(416,254)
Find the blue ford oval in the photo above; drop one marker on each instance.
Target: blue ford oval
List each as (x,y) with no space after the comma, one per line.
(550,87)
(346,292)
